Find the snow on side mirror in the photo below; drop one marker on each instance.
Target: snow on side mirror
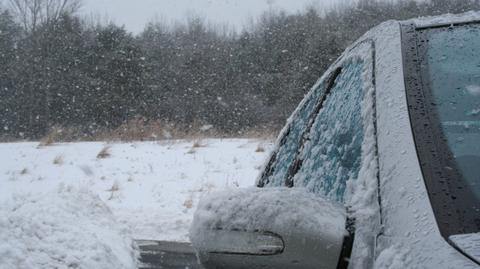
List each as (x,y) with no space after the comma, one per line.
(268,228)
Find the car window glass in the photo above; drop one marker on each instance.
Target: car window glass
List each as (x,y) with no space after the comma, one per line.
(454,74)
(276,172)
(442,79)
(332,154)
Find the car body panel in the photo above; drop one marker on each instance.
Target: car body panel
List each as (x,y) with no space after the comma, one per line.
(395,222)
(410,233)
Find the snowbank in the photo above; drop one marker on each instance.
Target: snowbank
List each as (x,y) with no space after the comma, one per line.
(65,228)
(141,190)
(393,257)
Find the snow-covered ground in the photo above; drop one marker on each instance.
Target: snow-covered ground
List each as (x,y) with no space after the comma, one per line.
(65,198)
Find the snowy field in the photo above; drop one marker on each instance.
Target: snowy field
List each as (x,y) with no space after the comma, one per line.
(80,204)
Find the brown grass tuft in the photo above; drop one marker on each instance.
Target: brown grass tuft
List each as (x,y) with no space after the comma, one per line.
(188,203)
(60,134)
(198,144)
(50,138)
(115,188)
(24,171)
(104,153)
(58,160)
(260,148)
(140,128)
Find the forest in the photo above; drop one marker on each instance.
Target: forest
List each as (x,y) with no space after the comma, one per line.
(80,79)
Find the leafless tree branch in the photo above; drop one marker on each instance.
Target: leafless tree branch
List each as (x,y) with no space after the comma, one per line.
(31,13)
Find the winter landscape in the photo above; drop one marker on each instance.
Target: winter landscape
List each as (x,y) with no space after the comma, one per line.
(83,203)
(232,130)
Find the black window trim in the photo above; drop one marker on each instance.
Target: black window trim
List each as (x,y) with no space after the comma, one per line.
(297,162)
(440,174)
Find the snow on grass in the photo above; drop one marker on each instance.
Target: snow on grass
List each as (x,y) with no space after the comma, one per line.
(150,188)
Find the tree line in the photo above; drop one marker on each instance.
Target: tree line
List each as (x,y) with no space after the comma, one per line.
(58,69)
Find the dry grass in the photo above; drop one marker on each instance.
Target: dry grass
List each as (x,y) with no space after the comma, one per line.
(198,143)
(188,203)
(142,129)
(115,188)
(104,153)
(4,138)
(60,134)
(49,139)
(260,148)
(58,160)
(24,171)
(136,129)
(264,133)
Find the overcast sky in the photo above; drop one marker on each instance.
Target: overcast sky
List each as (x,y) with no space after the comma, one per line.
(134,14)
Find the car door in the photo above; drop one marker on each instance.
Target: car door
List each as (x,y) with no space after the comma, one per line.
(329,146)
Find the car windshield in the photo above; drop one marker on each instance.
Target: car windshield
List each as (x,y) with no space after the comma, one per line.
(445,115)
(454,75)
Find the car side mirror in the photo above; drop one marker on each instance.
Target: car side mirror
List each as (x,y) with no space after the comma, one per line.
(268,228)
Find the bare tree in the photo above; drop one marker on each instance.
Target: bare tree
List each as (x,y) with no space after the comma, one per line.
(32,13)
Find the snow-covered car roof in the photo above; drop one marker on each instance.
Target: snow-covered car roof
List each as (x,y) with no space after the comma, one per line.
(431,21)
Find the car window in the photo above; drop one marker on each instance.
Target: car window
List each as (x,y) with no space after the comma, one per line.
(454,75)
(276,172)
(332,153)
(443,95)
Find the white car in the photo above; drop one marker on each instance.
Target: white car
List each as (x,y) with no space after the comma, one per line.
(379,166)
